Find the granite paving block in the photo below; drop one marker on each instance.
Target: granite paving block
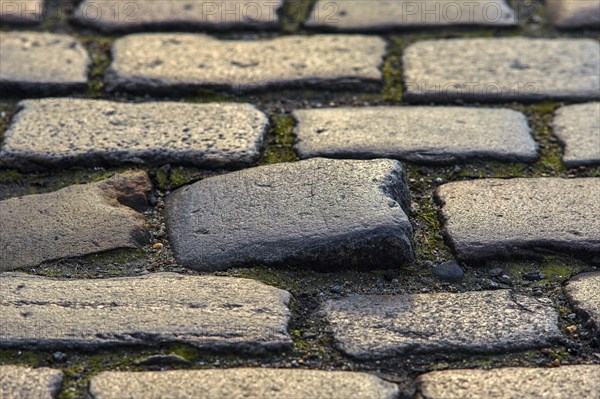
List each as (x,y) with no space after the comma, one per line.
(574,13)
(583,291)
(578,127)
(18,382)
(21,12)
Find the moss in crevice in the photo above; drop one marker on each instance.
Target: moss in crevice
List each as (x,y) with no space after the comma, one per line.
(294,13)
(98,48)
(280,140)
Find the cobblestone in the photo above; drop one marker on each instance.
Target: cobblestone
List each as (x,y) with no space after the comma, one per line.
(574,13)
(583,292)
(578,127)
(23,12)
(24,382)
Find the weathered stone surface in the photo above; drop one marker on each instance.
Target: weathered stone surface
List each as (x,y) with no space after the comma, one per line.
(578,127)
(565,382)
(187,61)
(21,11)
(417,134)
(318,213)
(583,292)
(120,15)
(503,69)
(212,313)
(23,382)
(574,13)
(74,221)
(477,322)
(369,15)
(493,217)
(246,383)
(42,62)
(66,132)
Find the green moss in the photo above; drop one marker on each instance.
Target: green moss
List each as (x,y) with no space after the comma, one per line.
(203,96)
(185,351)
(275,277)
(294,13)
(392,71)
(98,48)
(279,142)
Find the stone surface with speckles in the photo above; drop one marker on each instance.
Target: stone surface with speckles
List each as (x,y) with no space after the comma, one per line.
(502,69)
(241,383)
(42,62)
(18,382)
(74,221)
(66,132)
(578,127)
(163,62)
(368,327)
(21,12)
(416,134)
(507,218)
(208,312)
(574,13)
(583,291)
(318,213)
(565,382)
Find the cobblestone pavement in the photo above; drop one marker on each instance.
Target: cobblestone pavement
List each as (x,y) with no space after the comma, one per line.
(299,198)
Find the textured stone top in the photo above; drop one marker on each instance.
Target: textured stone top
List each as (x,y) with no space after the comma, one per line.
(21,11)
(26,383)
(583,291)
(578,127)
(574,13)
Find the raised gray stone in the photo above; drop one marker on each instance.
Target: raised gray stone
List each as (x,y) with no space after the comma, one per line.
(23,382)
(574,13)
(368,327)
(246,383)
(370,15)
(66,132)
(416,134)
(583,292)
(502,69)
(74,221)
(318,213)
(212,313)
(578,127)
(506,218)
(564,382)
(162,62)
(120,15)
(21,11)
(42,62)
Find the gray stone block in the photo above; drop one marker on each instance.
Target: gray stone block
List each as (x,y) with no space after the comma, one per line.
(21,12)
(583,291)
(18,382)
(574,13)
(578,127)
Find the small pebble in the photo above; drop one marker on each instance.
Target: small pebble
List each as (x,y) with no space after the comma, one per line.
(449,271)
(59,356)
(158,246)
(496,272)
(337,289)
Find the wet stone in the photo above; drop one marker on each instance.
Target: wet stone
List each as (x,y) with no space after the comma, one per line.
(66,132)
(564,382)
(125,15)
(212,313)
(522,217)
(248,383)
(368,327)
(502,69)
(318,213)
(18,382)
(583,291)
(42,62)
(374,15)
(21,12)
(578,127)
(416,134)
(165,62)
(74,221)
(574,13)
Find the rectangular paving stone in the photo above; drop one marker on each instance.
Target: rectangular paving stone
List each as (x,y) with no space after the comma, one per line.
(416,134)
(241,383)
(162,62)
(373,15)
(565,382)
(318,213)
(574,13)
(377,326)
(23,12)
(583,291)
(578,128)
(212,313)
(522,217)
(65,132)
(126,15)
(74,221)
(502,69)
(18,382)
(42,62)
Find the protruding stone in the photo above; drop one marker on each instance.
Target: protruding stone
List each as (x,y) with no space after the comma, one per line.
(369,327)
(564,382)
(318,213)
(212,313)
(416,134)
(522,217)
(74,221)
(578,127)
(125,15)
(583,292)
(18,382)
(165,62)
(502,69)
(66,132)
(42,62)
(21,12)
(574,13)
(249,383)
